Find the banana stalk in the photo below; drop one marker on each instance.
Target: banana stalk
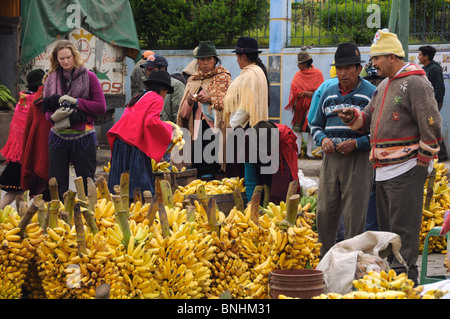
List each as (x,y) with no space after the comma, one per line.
(69,204)
(102,187)
(429,196)
(53,213)
(92,194)
(165,230)
(90,220)
(239,203)
(81,193)
(190,213)
(147,196)
(256,200)
(122,218)
(293,186)
(137,195)
(81,236)
(151,213)
(212,216)
(166,191)
(292,209)
(125,190)
(53,188)
(41,209)
(26,218)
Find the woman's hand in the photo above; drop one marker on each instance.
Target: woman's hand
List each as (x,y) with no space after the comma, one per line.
(68,98)
(190,99)
(204,98)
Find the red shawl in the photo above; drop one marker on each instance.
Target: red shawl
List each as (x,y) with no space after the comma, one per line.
(34,174)
(304,81)
(141,127)
(12,150)
(288,149)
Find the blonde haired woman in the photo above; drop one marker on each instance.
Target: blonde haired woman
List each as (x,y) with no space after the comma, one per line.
(72,98)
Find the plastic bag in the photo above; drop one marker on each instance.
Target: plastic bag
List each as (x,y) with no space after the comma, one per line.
(305,182)
(367,262)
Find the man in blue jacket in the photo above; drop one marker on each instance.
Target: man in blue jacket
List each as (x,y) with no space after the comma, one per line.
(346,173)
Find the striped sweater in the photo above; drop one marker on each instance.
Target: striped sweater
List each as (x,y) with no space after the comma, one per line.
(403,119)
(327,124)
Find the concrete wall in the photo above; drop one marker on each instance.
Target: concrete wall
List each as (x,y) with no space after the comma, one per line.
(282,68)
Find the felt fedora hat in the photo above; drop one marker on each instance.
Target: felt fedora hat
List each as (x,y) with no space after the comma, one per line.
(246,45)
(34,78)
(303,57)
(205,49)
(347,54)
(160,77)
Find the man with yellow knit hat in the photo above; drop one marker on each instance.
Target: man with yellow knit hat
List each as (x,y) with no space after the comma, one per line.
(405,129)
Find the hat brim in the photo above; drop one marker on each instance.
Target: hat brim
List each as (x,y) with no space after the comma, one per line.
(303,61)
(206,55)
(168,87)
(146,65)
(347,63)
(243,51)
(34,84)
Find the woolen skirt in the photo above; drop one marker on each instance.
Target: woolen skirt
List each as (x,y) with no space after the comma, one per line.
(127,158)
(10,178)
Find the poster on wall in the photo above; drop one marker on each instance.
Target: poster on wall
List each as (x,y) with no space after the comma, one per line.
(441,57)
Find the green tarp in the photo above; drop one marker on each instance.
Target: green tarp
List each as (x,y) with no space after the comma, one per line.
(44,21)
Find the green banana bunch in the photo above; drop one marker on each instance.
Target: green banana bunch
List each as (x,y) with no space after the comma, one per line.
(6,98)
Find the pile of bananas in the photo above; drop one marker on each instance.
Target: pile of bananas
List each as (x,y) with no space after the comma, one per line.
(6,99)
(214,187)
(17,251)
(165,166)
(385,285)
(433,215)
(265,244)
(177,137)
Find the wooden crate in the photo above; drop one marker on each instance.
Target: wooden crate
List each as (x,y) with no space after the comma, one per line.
(177,178)
(225,202)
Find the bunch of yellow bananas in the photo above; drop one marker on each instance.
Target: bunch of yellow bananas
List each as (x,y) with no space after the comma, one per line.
(177,136)
(213,187)
(165,166)
(133,262)
(385,285)
(434,214)
(104,213)
(229,271)
(16,252)
(265,245)
(107,168)
(182,270)
(55,253)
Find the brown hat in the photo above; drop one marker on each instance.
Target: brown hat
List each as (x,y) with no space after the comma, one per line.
(303,57)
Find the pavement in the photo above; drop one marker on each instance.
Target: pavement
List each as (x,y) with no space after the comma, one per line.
(310,169)
(435,262)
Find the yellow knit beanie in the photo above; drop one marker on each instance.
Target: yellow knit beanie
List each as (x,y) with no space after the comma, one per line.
(333,71)
(385,43)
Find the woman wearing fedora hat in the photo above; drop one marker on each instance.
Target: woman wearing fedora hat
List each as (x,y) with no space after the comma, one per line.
(247,101)
(201,106)
(140,136)
(306,81)
(10,180)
